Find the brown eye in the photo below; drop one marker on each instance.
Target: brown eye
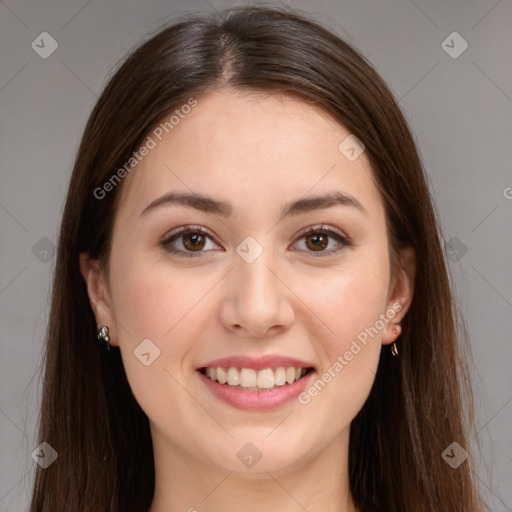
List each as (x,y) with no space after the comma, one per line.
(317,241)
(318,238)
(188,242)
(193,241)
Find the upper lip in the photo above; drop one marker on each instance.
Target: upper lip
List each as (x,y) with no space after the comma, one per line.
(257,363)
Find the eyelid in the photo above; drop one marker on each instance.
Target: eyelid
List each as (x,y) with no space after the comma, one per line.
(187,228)
(322,227)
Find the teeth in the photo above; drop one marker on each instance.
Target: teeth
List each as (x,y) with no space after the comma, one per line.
(222,375)
(280,376)
(255,380)
(248,378)
(266,378)
(233,376)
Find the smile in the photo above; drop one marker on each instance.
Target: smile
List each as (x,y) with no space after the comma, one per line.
(255,390)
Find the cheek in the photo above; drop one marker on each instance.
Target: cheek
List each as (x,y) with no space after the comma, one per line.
(145,302)
(349,302)
(150,309)
(350,305)
(158,317)
(162,303)
(151,294)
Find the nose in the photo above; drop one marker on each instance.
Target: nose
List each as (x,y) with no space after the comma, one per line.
(257,300)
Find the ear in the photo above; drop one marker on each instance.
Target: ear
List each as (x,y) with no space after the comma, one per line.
(99,295)
(401,292)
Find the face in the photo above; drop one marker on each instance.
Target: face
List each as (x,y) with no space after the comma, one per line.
(248,281)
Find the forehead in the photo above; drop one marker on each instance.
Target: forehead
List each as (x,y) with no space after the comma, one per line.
(233,145)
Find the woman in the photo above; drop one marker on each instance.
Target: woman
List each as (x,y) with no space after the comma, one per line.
(251,305)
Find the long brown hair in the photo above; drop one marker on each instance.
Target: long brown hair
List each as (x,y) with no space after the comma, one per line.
(419,403)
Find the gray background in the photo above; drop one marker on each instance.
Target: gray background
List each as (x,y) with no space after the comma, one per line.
(460,111)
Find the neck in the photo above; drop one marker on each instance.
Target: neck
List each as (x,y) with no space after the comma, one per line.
(185,484)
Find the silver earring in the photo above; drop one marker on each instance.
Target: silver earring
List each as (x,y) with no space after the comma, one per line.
(103,336)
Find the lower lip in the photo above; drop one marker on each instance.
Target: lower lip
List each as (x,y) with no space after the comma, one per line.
(256,400)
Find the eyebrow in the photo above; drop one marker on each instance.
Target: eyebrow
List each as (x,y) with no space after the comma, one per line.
(213,206)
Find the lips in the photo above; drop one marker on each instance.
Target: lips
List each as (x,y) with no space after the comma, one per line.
(262,386)
(257,400)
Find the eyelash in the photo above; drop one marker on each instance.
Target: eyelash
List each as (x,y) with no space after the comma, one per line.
(325,230)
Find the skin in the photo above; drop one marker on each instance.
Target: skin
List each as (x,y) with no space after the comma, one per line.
(257,152)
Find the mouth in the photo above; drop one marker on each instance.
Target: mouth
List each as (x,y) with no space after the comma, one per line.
(256,380)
